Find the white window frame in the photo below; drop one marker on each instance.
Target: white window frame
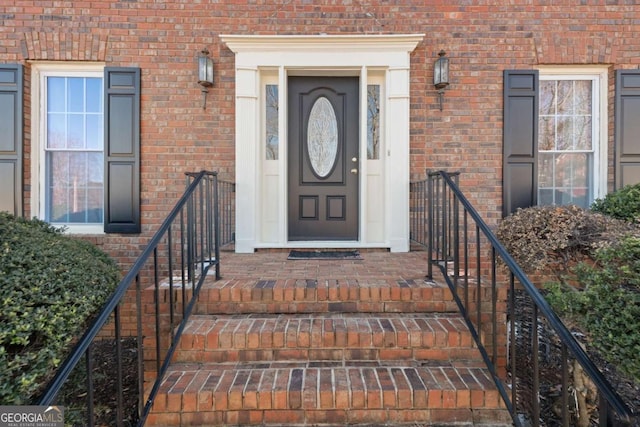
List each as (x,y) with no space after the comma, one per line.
(39,74)
(599,78)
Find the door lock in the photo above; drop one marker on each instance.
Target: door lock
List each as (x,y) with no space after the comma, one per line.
(354,171)
(354,159)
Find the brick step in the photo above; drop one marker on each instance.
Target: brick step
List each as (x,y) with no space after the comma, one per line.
(334,393)
(321,296)
(329,336)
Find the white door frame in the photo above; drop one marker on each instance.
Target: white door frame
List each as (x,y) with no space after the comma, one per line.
(384,213)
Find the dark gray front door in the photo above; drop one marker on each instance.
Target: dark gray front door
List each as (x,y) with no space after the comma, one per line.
(323,158)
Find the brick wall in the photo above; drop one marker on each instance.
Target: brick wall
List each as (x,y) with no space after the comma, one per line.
(481,38)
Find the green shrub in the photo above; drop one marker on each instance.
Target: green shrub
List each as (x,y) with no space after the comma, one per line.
(551,238)
(608,304)
(50,286)
(622,204)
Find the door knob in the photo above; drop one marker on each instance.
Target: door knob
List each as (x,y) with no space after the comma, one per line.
(354,171)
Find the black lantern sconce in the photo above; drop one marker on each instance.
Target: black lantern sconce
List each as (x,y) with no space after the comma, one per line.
(441,74)
(205,74)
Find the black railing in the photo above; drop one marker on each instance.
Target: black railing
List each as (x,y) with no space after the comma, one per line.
(532,356)
(418,212)
(182,251)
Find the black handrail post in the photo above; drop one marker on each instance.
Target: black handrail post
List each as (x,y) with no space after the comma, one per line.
(89,367)
(535,394)
(513,348)
(202,229)
(456,239)
(190,239)
(445,228)
(494,305)
(156,287)
(120,404)
(183,266)
(171,298)
(565,386)
(140,346)
(430,226)
(216,222)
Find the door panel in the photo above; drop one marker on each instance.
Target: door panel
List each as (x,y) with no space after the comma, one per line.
(323,158)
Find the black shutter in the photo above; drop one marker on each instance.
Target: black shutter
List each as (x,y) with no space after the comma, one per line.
(122,150)
(520,140)
(627,142)
(11,138)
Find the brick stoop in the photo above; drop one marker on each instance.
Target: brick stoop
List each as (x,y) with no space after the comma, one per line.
(326,352)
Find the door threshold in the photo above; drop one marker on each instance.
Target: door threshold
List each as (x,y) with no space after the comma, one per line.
(323,244)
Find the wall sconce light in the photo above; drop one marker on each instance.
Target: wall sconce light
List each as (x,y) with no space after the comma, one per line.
(441,74)
(205,74)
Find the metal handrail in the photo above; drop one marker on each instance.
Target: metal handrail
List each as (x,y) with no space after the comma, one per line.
(448,246)
(192,228)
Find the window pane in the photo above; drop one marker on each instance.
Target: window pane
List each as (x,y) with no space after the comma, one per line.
(547,133)
(95,132)
(322,137)
(565,97)
(56,131)
(373,122)
(94,95)
(74,187)
(547,97)
(545,197)
(96,169)
(56,94)
(564,137)
(75,131)
(545,170)
(75,95)
(271,122)
(582,131)
(583,96)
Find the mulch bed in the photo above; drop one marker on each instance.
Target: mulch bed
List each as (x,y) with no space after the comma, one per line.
(73,394)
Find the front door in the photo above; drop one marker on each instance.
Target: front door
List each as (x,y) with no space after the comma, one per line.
(323,158)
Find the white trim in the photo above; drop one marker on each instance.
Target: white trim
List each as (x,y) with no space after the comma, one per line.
(39,72)
(327,55)
(600,123)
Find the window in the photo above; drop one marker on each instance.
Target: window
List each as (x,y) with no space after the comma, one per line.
(73,150)
(373,122)
(271,121)
(70,141)
(570,170)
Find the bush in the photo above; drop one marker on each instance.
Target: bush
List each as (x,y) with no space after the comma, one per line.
(608,306)
(50,286)
(622,204)
(551,238)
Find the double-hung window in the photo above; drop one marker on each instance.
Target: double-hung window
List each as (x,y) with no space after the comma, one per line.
(571,143)
(73,163)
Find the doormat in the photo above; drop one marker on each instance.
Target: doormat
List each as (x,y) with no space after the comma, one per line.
(295,255)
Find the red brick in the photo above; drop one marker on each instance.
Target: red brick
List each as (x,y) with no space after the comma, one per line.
(283,417)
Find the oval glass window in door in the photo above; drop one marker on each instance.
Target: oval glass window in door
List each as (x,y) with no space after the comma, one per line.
(322,137)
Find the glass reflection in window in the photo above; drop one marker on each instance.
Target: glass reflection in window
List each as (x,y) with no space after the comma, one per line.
(271,121)
(373,122)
